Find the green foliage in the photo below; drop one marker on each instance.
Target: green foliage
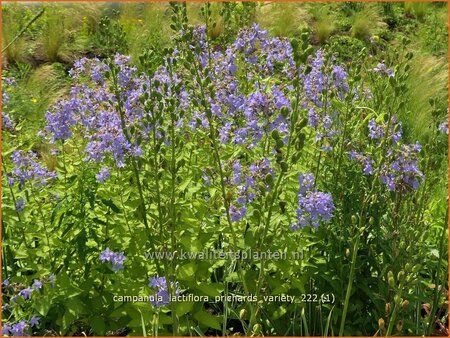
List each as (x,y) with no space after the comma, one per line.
(346,48)
(110,37)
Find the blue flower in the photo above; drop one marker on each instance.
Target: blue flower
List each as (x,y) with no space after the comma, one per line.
(115,258)
(162,291)
(383,70)
(34,321)
(20,205)
(20,329)
(26,293)
(28,169)
(37,284)
(7,123)
(313,206)
(375,131)
(103,175)
(6,329)
(237,214)
(443,127)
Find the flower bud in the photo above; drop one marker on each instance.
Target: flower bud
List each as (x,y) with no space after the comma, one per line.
(243,314)
(354,219)
(405,304)
(371,220)
(303,122)
(381,324)
(347,252)
(391,282)
(399,325)
(407,267)
(401,275)
(275,134)
(397,300)
(387,308)
(262,187)
(256,329)
(269,179)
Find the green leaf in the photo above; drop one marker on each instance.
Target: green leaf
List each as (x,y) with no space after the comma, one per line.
(181,308)
(207,319)
(211,290)
(42,305)
(109,203)
(67,320)
(98,325)
(187,271)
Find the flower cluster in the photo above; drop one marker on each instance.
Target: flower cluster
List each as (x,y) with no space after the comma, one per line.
(26,292)
(401,172)
(399,169)
(377,130)
(20,205)
(115,258)
(21,328)
(7,123)
(322,82)
(443,127)
(313,206)
(266,54)
(253,109)
(364,160)
(105,107)
(28,169)
(103,175)
(247,184)
(162,291)
(94,111)
(382,69)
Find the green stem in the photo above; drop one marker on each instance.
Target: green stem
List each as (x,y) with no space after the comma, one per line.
(350,285)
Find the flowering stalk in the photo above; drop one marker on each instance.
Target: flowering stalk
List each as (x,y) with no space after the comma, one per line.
(155,161)
(213,133)
(362,217)
(397,307)
(133,161)
(274,196)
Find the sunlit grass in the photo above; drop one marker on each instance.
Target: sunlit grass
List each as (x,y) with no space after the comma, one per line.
(366,22)
(283,19)
(12,22)
(429,77)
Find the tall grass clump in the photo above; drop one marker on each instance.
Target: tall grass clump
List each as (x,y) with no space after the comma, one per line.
(14,18)
(324,23)
(283,19)
(429,76)
(48,83)
(417,9)
(53,33)
(366,23)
